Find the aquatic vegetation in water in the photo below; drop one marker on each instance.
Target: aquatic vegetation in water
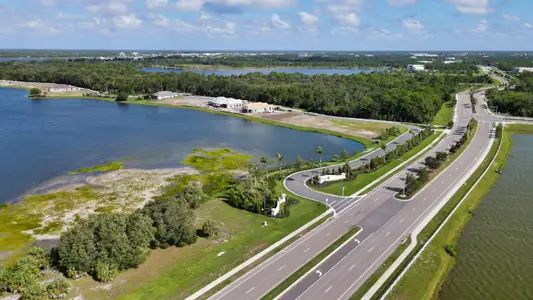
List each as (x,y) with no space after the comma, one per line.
(108,167)
(217,159)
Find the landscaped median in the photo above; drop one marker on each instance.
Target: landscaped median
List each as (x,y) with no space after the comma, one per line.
(300,273)
(364,179)
(428,272)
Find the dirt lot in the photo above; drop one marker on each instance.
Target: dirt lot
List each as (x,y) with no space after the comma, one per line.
(367,130)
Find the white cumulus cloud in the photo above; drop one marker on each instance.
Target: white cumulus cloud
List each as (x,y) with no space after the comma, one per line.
(475,7)
(401,2)
(528,25)
(279,23)
(129,21)
(155,4)
(511,17)
(412,25)
(482,27)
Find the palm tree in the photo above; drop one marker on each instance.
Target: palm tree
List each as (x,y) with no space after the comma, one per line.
(252,169)
(279,156)
(319,151)
(265,160)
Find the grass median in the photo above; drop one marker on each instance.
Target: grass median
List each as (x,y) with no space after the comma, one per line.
(428,273)
(444,115)
(364,179)
(311,264)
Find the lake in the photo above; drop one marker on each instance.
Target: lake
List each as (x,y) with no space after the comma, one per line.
(43,139)
(495,258)
(229,72)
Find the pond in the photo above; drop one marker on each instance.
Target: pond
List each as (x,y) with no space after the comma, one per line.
(494,258)
(229,72)
(43,139)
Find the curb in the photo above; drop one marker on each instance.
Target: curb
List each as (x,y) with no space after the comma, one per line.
(319,263)
(418,229)
(445,220)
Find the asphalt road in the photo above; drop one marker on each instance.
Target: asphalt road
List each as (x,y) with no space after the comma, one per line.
(386,222)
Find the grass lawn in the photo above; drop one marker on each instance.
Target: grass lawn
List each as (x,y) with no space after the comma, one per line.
(428,273)
(310,264)
(364,179)
(444,115)
(175,273)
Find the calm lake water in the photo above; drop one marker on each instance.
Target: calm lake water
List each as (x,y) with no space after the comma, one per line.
(42,139)
(229,72)
(495,258)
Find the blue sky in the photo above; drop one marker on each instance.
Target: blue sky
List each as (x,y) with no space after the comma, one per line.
(268,24)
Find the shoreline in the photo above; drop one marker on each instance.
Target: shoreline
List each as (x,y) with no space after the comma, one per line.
(438,274)
(367,143)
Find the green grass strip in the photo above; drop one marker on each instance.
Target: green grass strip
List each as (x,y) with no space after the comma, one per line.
(444,115)
(364,179)
(228,281)
(451,158)
(424,278)
(310,264)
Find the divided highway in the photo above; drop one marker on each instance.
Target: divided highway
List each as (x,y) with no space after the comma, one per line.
(385,221)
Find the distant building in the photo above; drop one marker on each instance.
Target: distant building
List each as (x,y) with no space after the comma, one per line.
(258,107)
(63,88)
(224,102)
(412,68)
(165,95)
(523,69)
(446,62)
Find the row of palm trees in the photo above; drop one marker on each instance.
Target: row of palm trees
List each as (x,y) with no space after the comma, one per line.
(265,161)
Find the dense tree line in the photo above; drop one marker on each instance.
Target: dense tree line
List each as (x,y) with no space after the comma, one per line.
(25,276)
(516,101)
(399,96)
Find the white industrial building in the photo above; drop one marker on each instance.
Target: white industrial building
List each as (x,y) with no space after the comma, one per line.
(224,102)
(523,69)
(259,107)
(164,95)
(63,88)
(412,68)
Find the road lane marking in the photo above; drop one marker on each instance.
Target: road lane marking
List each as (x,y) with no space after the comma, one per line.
(306,250)
(345,221)
(413,209)
(401,220)
(281,268)
(332,267)
(328,234)
(388,233)
(250,290)
(424,199)
(351,267)
(442,182)
(433,189)
(368,269)
(371,249)
(376,199)
(329,288)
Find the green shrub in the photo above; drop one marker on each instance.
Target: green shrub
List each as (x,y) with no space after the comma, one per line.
(105,272)
(451,249)
(209,228)
(33,292)
(58,288)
